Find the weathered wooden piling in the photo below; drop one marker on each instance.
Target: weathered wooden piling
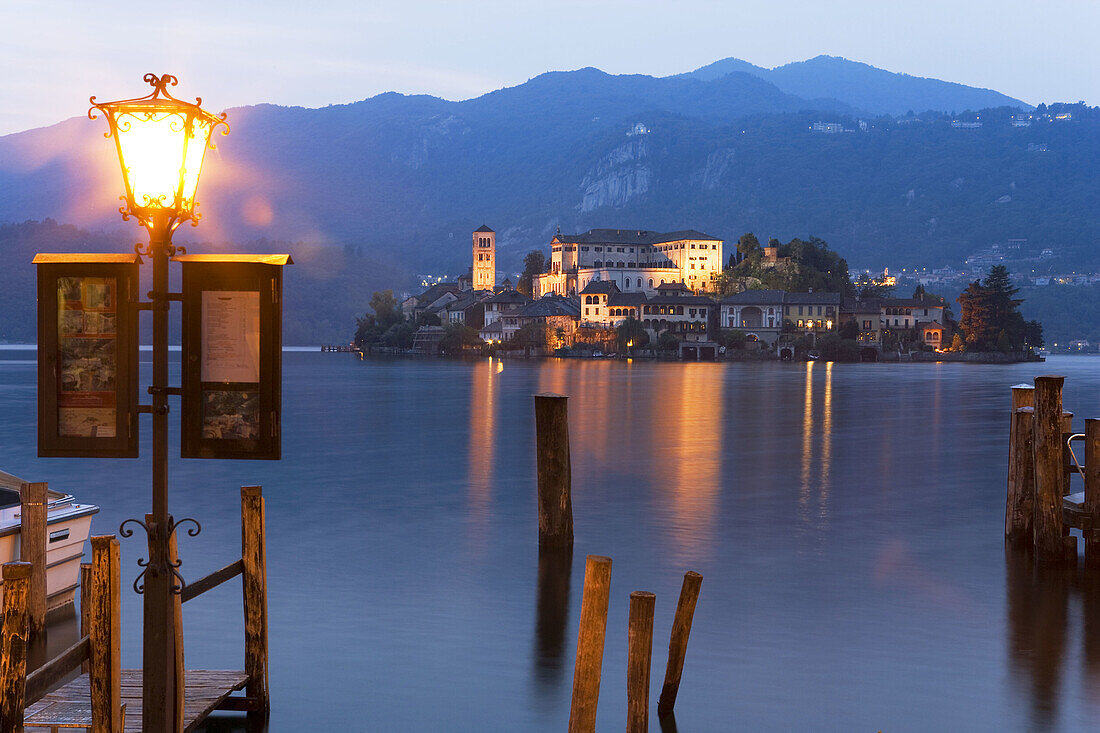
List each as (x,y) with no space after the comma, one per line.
(554,470)
(1020,510)
(1048,468)
(1068,467)
(678,640)
(254,583)
(13,645)
(639,657)
(85,603)
(105,635)
(590,639)
(1092,490)
(32,549)
(1018,503)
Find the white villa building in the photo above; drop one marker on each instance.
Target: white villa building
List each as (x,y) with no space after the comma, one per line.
(635,260)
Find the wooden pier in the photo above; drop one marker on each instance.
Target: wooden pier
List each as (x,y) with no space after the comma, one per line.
(106,698)
(206,691)
(1041,507)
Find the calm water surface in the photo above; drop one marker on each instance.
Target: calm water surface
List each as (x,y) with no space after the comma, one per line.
(847,520)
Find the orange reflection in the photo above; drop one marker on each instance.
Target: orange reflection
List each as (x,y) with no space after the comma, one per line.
(826,442)
(822,484)
(482,428)
(807,442)
(686,438)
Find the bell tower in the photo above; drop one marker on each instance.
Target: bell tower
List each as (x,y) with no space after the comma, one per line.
(485,259)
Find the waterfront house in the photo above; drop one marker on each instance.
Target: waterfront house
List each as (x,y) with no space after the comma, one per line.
(867,314)
(593,301)
(757,313)
(812,312)
(468,309)
(505,301)
(414,305)
(932,334)
(559,314)
(898,313)
(676,310)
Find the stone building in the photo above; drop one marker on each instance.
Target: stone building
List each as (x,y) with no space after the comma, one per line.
(484,269)
(634,260)
(675,309)
(758,313)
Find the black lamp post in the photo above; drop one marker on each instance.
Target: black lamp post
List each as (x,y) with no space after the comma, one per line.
(161,143)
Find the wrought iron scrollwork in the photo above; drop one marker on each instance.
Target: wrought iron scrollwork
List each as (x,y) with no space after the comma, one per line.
(167,566)
(193,532)
(127,532)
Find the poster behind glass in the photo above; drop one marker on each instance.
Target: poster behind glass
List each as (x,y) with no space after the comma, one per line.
(231,359)
(87,357)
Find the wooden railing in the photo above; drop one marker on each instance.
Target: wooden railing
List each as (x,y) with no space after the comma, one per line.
(98,650)
(252,565)
(98,645)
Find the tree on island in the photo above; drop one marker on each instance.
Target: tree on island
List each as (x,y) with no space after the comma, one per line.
(632,332)
(748,245)
(667,341)
(990,319)
(458,336)
(386,325)
(805,265)
(534,263)
(531,334)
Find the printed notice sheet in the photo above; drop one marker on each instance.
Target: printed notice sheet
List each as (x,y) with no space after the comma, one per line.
(230,336)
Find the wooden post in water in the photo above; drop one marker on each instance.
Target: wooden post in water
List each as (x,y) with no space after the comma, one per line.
(1092,490)
(1048,468)
(104,632)
(1020,512)
(678,641)
(85,605)
(1022,396)
(32,549)
(13,646)
(254,558)
(554,470)
(638,663)
(590,638)
(1068,468)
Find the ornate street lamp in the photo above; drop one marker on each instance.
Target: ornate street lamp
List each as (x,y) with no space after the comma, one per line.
(161,142)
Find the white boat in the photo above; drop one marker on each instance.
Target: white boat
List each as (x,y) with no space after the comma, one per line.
(68,525)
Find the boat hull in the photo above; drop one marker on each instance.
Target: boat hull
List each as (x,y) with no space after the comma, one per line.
(68,526)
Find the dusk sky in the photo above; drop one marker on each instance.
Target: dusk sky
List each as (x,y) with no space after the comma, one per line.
(56,54)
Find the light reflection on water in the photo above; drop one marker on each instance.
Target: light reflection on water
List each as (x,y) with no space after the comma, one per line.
(847,520)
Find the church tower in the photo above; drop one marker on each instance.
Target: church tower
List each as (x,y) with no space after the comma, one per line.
(485,259)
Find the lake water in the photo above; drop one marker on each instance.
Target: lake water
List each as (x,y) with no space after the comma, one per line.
(847,520)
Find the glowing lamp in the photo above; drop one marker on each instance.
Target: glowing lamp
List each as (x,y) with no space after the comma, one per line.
(828,324)
(161,142)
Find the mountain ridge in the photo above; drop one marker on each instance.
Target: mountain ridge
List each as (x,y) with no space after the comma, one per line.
(863,86)
(407,177)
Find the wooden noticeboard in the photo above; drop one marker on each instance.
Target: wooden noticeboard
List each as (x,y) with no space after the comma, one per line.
(87,355)
(232,356)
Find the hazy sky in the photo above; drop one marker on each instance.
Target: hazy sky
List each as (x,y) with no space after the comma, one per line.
(55,54)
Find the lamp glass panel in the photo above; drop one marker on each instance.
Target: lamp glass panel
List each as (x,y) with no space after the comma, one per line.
(196,149)
(152,147)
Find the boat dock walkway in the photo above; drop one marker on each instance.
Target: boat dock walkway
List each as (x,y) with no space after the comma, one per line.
(84,686)
(205,692)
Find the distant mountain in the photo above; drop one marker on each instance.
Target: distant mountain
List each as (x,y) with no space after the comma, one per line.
(864,87)
(402,180)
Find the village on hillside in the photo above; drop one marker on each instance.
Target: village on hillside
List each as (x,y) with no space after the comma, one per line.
(644,293)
